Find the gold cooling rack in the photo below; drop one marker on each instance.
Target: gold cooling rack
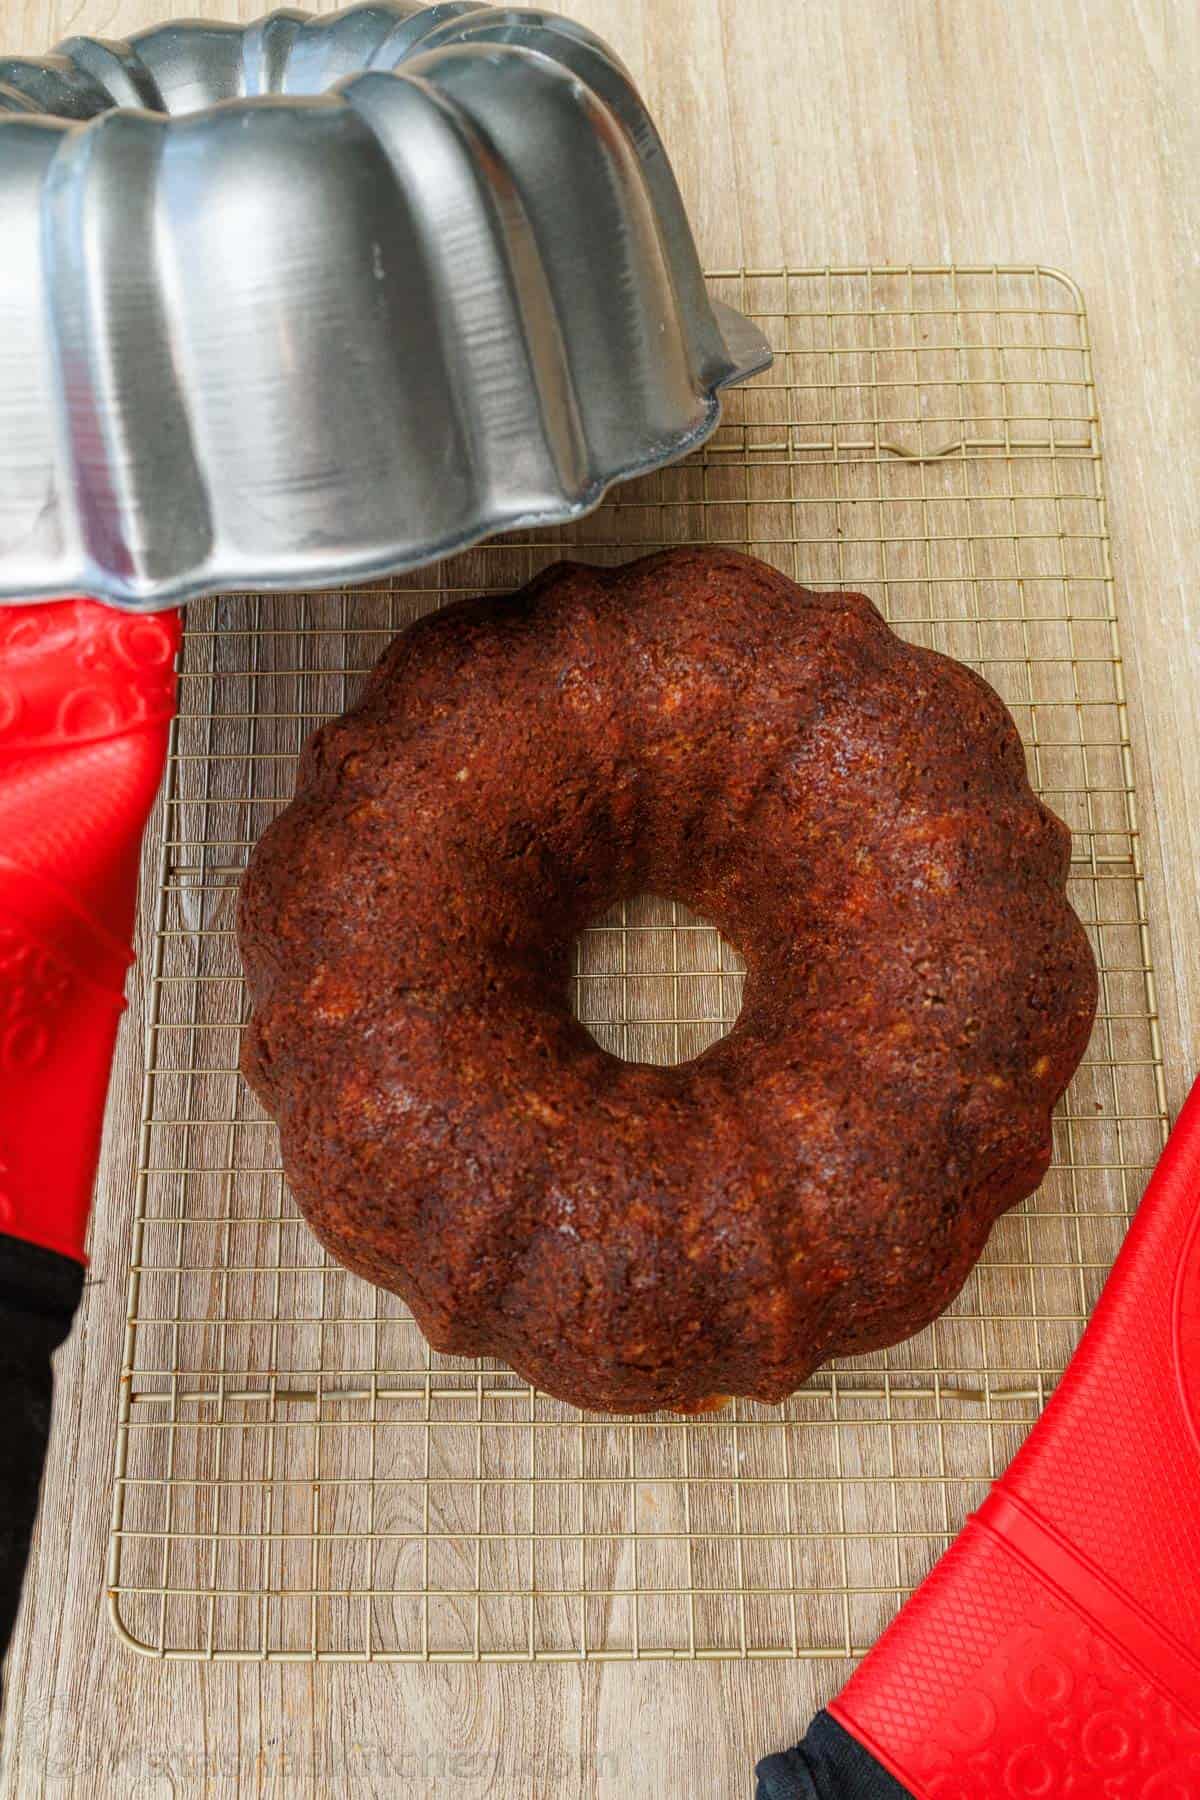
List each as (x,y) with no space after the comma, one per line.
(297,1475)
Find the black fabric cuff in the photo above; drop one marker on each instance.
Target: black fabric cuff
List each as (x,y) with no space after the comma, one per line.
(828,1765)
(39,1293)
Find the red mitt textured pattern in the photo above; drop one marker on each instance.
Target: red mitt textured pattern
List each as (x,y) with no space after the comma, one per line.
(1055,1650)
(86,698)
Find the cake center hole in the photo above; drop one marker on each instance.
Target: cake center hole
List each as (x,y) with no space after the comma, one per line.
(654,983)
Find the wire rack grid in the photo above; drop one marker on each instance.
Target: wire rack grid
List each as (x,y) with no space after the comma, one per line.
(298,1476)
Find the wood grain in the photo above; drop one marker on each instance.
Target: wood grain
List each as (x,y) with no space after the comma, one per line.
(968,130)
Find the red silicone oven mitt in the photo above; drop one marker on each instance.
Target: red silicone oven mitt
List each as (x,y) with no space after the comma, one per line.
(1054,1651)
(86,699)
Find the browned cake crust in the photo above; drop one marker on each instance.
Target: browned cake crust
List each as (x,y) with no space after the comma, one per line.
(852,813)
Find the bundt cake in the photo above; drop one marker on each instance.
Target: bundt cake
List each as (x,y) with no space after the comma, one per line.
(851,811)
(311,299)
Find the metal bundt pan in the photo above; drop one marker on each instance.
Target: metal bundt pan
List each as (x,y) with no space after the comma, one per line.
(377,285)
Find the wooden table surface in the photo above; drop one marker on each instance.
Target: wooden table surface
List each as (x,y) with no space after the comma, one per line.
(808,132)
